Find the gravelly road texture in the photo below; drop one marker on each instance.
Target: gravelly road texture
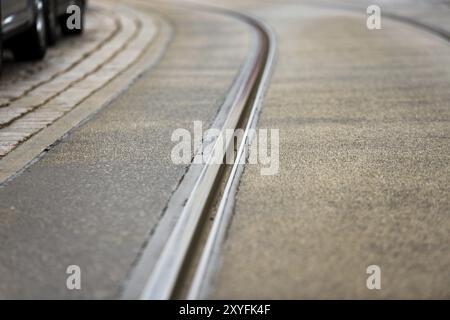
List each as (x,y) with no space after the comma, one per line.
(93,199)
(364,165)
(364,162)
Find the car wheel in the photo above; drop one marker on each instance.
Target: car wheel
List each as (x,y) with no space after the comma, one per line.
(1,53)
(32,45)
(1,50)
(51,22)
(1,43)
(66,29)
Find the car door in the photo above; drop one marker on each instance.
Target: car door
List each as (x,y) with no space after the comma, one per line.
(15,13)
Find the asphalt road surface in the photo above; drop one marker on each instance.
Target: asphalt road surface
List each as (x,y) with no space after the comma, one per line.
(94,198)
(364,166)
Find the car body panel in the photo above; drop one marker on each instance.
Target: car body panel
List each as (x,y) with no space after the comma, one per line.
(16,16)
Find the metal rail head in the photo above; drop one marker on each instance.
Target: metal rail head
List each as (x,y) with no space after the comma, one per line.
(224,211)
(167,270)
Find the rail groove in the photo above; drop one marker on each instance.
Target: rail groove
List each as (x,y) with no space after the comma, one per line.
(248,91)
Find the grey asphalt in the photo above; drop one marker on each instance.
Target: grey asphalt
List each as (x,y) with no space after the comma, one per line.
(364,164)
(93,199)
(364,119)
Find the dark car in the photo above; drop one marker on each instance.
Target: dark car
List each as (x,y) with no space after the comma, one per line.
(28,26)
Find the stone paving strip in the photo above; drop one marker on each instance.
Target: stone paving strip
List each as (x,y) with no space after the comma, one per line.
(49,90)
(20,78)
(43,106)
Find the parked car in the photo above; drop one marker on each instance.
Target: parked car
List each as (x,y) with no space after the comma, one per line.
(29,26)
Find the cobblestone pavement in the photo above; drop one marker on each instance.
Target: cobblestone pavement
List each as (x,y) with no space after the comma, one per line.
(34,95)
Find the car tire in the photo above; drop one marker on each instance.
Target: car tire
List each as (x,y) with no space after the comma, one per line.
(1,51)
(1,43)
(51,22)
(64,27)
(32,45)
